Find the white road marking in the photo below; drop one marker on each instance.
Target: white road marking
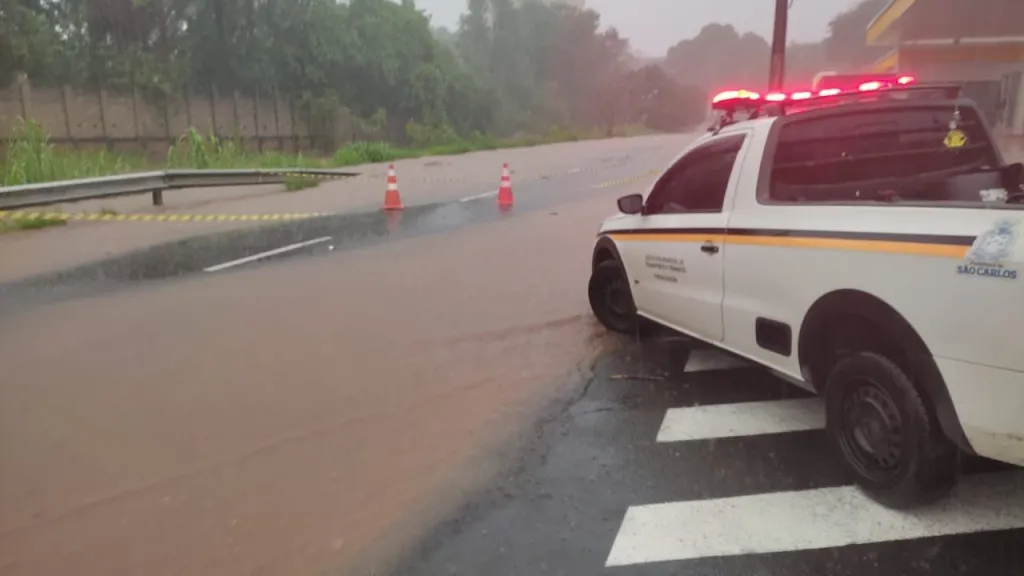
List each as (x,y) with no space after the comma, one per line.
(262,255)
(477,196)
(809,520)
(711,359)
(743,419)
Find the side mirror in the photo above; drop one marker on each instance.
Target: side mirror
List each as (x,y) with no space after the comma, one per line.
(631,204)
(1013,177)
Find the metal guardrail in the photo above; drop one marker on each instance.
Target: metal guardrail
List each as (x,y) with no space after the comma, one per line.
(154,183)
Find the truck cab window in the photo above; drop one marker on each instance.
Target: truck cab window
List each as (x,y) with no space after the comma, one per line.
(867,154)
(697,182)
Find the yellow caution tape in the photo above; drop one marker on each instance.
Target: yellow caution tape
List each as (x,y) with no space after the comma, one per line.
(101,217)
(312,176)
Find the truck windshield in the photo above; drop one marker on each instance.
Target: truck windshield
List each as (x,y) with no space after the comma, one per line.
(901,152)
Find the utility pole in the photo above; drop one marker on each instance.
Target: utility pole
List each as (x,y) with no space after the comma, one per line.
(778,64)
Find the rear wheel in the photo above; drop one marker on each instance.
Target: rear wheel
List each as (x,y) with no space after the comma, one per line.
(611,299)
(878,423)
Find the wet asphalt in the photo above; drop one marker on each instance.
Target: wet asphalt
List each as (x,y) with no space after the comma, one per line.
(557,509)
(349,231)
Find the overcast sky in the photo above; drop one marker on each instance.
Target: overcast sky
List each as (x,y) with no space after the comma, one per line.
(654,25)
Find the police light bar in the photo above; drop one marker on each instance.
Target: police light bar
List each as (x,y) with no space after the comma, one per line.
(733,99)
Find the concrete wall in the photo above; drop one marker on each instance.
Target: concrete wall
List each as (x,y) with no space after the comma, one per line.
(118,120)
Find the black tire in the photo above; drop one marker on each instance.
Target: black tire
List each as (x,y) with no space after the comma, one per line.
(888,440)
(611,299)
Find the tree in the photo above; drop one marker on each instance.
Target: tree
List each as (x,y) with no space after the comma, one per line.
(845,44)
(719,58)
(394,62)
(547,64)
(662,103)
(512,65)
(29,43)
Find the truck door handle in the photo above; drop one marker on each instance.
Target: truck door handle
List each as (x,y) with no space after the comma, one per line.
(709,247)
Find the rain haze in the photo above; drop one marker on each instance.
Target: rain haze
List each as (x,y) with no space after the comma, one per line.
(511,287)
(652,26)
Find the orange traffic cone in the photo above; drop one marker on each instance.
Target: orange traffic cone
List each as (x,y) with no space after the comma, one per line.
(505,190)
(392,199)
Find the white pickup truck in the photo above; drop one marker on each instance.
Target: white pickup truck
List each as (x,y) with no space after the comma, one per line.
(865,246)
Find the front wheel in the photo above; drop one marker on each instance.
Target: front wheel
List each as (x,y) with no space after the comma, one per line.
(611,299)
(888,440)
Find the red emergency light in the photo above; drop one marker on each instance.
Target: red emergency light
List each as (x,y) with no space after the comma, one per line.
(731,95)
(730,99)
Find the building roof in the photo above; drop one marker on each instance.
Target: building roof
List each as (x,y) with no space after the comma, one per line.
(882,23)
(914,20)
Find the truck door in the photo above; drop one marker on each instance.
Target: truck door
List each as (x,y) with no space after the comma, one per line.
(676,256)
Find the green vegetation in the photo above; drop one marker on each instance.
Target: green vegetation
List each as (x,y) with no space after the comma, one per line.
(32,158)
(36,223)
(512,71)
(31,223)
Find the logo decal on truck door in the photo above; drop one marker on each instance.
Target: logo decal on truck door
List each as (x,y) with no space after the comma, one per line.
(667,267)
(985,257)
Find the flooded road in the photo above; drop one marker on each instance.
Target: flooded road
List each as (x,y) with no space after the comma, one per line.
(364,405)
(300,416)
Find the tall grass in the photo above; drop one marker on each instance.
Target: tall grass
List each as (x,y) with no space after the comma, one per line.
(30,157)
(195,151)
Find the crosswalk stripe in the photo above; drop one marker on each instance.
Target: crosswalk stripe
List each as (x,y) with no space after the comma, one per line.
(744,419)
(811,520)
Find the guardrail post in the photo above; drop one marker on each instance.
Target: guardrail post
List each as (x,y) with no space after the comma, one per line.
(158,197)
